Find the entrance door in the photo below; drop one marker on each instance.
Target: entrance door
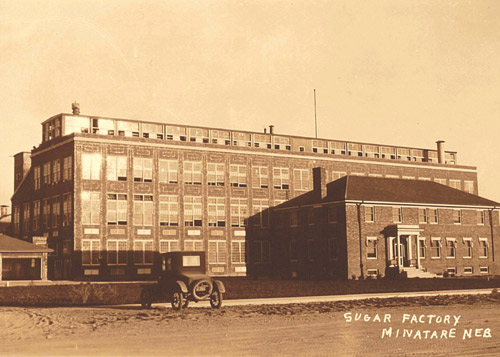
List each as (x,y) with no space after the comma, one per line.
(403,251)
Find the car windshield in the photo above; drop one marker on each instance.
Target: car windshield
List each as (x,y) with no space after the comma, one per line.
(191,261)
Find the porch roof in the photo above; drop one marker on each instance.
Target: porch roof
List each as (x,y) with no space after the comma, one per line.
(14,245)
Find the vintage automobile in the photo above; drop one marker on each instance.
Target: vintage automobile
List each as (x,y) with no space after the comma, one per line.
(183,279)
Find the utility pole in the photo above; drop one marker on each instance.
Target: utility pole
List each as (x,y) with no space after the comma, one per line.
(315,121)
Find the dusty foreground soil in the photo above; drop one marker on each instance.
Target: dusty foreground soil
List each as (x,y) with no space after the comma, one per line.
(300,329)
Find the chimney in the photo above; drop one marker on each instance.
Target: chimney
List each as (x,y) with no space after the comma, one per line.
(440,149)
(76,108)
(265,130)
(271,129)
(22,165)
(319,182)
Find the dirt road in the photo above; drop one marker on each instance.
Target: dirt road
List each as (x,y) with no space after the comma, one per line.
(298,329)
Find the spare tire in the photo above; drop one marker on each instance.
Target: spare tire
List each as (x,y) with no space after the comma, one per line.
(202,289)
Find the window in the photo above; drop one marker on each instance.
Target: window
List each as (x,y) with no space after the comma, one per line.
(484,270)
(456,184)
(116,168)
(117,209)
(433,216)
(440,181)
(337,175)
(192,173)
(468,248)
(421,245)
(260,177)
(468,270)
(281,178)
(192,211)
(310,250)
(46,213)
(143,252)
(480,217)
(333,249)
(310,216)
(397,214)
(36,216)
(169,246)
(294,251)
(68,168)
(17,219)
(294,221)
(168,171)
(36,178)
(332,214)
(67,210)
(436,248)
(239,212)
(238,252)
(372,273)
(91,204)
(215,174)
(91,166)
(260,212)
(238,175)
(260,251)
(90,251)
(143,210)
(301,179)
(483,248)
(216,212)
(457,216)
(56,171)
(117,252)
(217,252)
(469,186)
(26,218)
(193,245)
(143,169)
(369,214)
(452,271)
(451,248)
(371,247)
(46,173)
(56,211)
(169,210)
(422,215)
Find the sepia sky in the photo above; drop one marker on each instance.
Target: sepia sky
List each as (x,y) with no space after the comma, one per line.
(393,72)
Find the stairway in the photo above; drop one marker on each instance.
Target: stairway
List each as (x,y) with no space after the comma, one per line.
(413,272)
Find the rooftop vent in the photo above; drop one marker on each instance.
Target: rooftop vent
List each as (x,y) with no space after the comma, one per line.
(75,107)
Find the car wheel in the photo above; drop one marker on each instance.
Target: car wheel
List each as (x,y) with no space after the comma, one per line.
(177,300)
(216,299)
(202,289)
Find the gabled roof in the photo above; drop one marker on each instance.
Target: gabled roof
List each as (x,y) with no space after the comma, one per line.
(14,245)
(389,190)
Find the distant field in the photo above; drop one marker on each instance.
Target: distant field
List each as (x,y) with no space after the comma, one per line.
(237,288)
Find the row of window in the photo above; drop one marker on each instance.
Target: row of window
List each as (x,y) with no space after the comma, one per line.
(113,127)
(52,172)
(46,214)
(436,246)
(117,251)
(143,211)
(449,270)
(425,215)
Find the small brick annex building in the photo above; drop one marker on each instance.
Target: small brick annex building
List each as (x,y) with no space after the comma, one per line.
(109,195)
(358,227)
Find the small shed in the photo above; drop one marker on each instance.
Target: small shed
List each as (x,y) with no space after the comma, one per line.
(21,260)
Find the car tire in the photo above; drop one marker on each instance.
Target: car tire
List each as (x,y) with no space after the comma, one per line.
(177,299)
(216,299)
(207,291)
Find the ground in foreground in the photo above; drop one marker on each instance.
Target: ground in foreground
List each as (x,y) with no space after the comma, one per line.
(299,329)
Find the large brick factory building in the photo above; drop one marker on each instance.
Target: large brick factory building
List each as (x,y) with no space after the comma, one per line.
(110,194)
